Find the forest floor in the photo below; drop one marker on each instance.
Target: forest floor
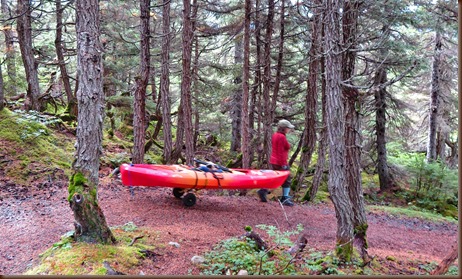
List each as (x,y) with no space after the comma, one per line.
(33,218)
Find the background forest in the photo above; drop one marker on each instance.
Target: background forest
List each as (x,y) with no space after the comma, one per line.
(371,87)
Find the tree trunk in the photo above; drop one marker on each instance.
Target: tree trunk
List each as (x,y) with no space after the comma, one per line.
(245,147)
(380,126)
(10,52)
(236,103)
(255,100)
(139,103)
(61,61)
(186,82)
(353,127)
(434,100)
(309,133)
(443,267)
(24,29)
(2,95)
(90,223)
(335,131)
(267,121)
(277,80)
(165,82)
(195,89)
(322,143)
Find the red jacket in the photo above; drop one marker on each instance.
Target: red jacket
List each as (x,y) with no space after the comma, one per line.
(279,149)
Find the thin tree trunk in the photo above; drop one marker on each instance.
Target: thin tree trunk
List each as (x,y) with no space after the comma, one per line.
(165,83)
(434,100)
(245,89)
(256,93)
(10,52)
(322,143)
(186,82)
(380,127)
(335,130)
(236,103)
(195,89)
(267,121)
(2,95)
(309,133)
(277,80)
(24,29)
(71,102)
(139,103)
(90,223)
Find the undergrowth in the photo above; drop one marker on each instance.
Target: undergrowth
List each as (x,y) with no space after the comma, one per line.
(241,255)
(68,257)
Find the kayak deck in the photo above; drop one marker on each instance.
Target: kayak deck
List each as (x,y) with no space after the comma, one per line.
(185,177)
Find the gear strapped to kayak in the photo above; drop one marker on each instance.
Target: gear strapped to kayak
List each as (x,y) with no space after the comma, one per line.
(184,178)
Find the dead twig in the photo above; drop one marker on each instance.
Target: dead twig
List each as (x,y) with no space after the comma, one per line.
(135,239)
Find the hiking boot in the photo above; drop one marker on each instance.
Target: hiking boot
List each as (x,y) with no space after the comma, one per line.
(286,201)
(262,194)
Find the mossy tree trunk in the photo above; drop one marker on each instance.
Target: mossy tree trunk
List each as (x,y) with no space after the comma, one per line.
(90,224)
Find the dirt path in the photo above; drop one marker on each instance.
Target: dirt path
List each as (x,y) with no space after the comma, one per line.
(32,219)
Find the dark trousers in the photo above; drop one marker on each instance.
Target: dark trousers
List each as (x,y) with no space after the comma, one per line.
(288,181)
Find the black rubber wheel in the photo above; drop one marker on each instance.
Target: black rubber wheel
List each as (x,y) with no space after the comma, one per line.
(189,199)
(178,192)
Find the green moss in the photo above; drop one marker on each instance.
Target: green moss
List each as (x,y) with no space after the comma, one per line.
(361,229)
(391,258)
(81,258)
(76,184)
(344,251)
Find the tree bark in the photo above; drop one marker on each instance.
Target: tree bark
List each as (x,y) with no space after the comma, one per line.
(245,147)
(322,143)
(90,223)
(256,92)
(10,52)
(444,265)
(353,127)
(335,130)
(165,82)
(277,80)
(236,103)
(24,29)
(267,121)
(434,100)
(309,133)
(139,104)
(71,102)
(186,82)
(2,95)
(380,128)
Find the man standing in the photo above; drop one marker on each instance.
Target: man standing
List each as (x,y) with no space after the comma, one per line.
(279,160)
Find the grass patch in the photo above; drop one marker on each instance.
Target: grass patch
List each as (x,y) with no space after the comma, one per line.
(67,257)
(411,213)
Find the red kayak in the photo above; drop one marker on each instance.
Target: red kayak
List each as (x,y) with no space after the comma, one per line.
(183,178)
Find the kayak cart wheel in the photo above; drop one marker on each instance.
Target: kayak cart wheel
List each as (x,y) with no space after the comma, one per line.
(178,192)
(189,199)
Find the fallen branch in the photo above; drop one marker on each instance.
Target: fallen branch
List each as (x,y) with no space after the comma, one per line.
(135,239)
(299,245)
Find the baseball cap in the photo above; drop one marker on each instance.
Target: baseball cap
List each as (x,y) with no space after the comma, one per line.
(285,124)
